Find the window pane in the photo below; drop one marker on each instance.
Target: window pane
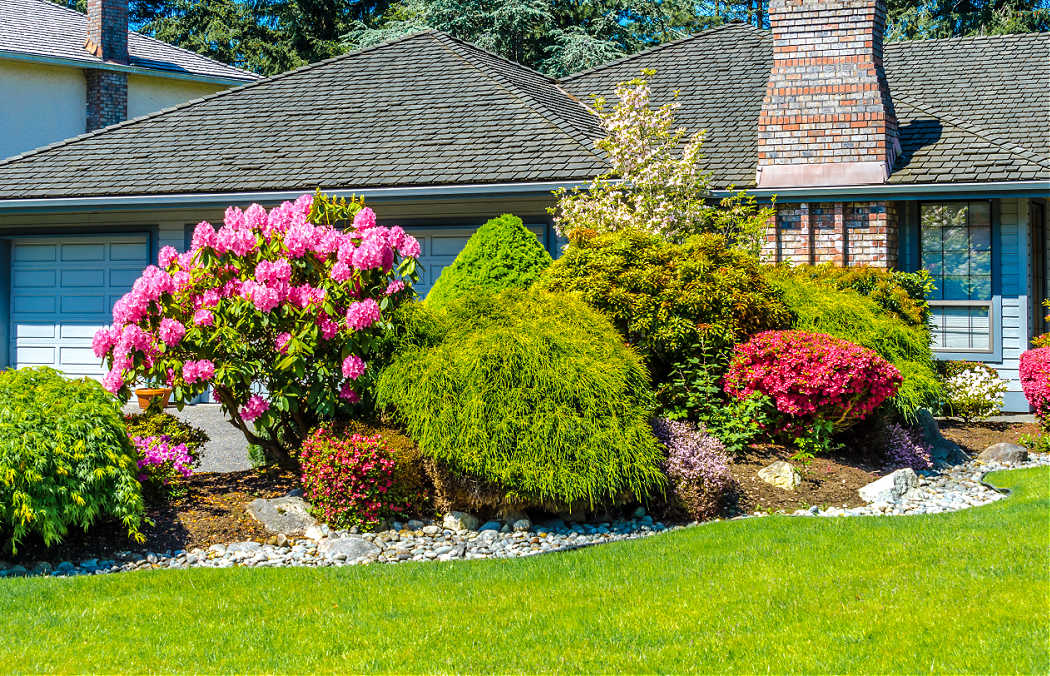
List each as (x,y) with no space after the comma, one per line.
(956,245)
(981,238)
(980,213)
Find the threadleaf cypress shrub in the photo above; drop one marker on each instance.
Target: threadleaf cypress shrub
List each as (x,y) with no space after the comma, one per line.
(65,458)
(531,398)
(502,254)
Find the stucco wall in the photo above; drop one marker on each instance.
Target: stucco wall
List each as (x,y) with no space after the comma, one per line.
(39,105)
(149,94)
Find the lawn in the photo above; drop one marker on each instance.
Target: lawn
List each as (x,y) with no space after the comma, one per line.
(962,592)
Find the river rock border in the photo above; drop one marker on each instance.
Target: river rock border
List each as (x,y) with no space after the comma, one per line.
(951,489)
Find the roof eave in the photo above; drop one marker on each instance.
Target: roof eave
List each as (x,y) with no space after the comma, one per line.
(206,200)
(86,64)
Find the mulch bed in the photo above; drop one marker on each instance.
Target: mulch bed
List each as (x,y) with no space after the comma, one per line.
(212,507)
(978,436)
(211,510)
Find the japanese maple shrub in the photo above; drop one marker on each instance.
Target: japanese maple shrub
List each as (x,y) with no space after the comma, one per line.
(65,459)
(502,254)
(277,311)
(817,384)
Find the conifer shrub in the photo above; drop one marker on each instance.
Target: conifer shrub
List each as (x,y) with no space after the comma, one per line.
(819,307)
(533,400)
(502,254)
(65,458)
(902,294)
(682,306)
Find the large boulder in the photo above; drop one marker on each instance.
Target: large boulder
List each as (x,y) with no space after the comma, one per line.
(287,515)
(1004,453)
(781,475)
(347,549)
(455,521)
(890,488)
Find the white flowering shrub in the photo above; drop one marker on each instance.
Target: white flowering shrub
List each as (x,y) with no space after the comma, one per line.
(656,182)
(974,391)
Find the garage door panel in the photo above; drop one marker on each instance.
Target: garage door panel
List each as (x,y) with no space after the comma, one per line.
(448,246)
(35,356)
(34,279)
(128,252)
(83,278)
(91,252)
(36,252)
(62,293)
(33,304)
(79,305)
(30,331)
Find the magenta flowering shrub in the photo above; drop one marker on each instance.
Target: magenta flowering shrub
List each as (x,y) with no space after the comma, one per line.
(160,461)
(348,478)
(277,311)
(1035,379)
(697,466)
(906,448)
(812,379)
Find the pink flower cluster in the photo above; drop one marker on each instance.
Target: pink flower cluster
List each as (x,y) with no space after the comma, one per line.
(160,460)
(362,314)
(201,370)
(349,478)
(812,376)
(1035,379)
(254,408)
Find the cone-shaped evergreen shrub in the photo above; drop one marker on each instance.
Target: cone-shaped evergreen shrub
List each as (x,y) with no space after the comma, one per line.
(820,307)
(534,393)
(502,254)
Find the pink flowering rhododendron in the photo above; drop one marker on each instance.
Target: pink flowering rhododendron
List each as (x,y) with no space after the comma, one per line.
(1035,379)
(160,461)
(811,378)
(223,315)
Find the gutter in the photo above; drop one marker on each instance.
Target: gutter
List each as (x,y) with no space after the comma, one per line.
(892,192)
(196,200)
(119,67)
(901,191)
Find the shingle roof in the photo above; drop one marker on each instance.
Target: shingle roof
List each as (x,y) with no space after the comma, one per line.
(431,110)
(40,28)
(422,110)
(969,109)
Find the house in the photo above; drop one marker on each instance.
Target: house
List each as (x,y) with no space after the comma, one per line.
(63,73)
(930,154)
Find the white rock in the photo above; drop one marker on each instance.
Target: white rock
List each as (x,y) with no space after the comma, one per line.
(314,533)
(890,488)
(780,474)
(348,548)
(521,525)
(460,521)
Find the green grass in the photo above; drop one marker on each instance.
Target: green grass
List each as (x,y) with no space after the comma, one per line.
(962,592)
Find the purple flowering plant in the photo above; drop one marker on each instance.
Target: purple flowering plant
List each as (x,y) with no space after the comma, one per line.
(697,465)
(906,448)
(160,462)
(277,311)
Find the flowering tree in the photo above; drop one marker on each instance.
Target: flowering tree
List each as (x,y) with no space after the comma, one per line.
(656,182)
(277,311)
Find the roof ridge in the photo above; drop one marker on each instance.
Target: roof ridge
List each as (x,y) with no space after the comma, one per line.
(981,133)
(147,37)
(209,97)
(576,134)
(663,45)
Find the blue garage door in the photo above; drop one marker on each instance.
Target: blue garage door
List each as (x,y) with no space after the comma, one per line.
(440,246)
(62,291)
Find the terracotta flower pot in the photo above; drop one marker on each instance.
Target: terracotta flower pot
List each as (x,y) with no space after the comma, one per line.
(147,394)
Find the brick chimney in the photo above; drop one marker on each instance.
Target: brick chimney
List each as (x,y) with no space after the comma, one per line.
(827,117)
(107,38)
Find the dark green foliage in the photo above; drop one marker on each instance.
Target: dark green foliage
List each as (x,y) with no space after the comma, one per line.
(683,306)
(819,307)
(65,459)
(534,393)
(901,293)
(502,254)
(164,424)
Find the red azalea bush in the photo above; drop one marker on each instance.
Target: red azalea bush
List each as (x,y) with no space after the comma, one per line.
(281,312)
(349,478)
(1035,379)
(813,379)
